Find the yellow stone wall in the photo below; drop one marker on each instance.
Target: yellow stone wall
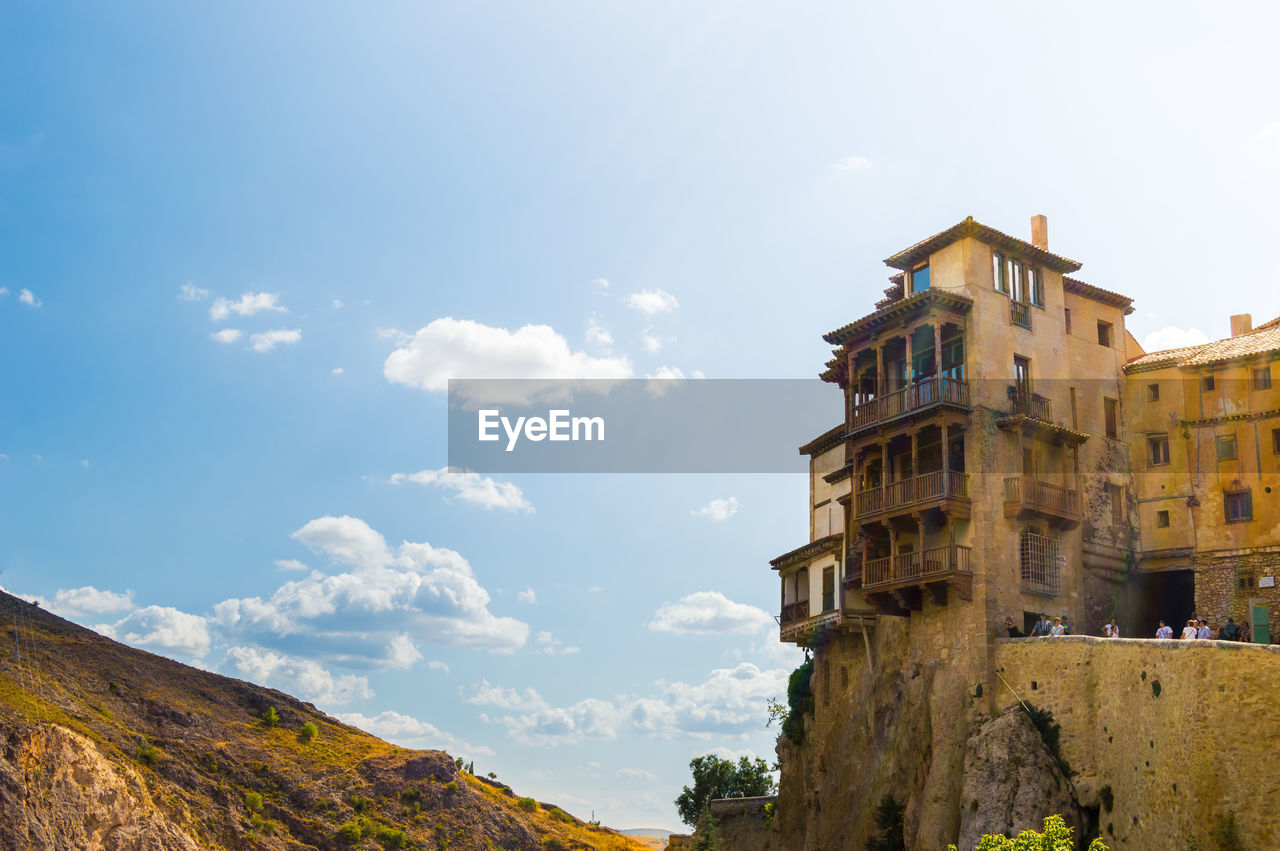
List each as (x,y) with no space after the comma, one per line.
(1182,732)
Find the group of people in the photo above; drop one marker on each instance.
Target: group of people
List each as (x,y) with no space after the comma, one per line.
(1196,628)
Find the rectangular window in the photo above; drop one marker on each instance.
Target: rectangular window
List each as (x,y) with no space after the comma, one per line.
(1275,440)
(1104,334)
(1116,494)
(1022,375)
(1074,421)
(1158,450)
(828,589)
(1015,280)
(1035,287)
(1262,378)
(1066,313)
(1237,506)
(1153,392)
(998,272)
(1206,383)
(920,278)
(1110,415)
(1162,519)
(1226,447)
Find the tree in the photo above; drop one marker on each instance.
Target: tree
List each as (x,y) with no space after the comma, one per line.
(270,718)
(714,777)
(1056,837)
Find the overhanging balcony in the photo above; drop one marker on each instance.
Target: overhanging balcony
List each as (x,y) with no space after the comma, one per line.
(945,488)
(797,626)
(935,390)
(895,584)
(1025,496)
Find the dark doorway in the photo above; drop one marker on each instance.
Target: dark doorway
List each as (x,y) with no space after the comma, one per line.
(1167,595)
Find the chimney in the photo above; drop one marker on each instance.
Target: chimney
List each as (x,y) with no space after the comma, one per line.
(1241,323)
(1040,232)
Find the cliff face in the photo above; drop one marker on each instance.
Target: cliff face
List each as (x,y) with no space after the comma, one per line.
(107,747)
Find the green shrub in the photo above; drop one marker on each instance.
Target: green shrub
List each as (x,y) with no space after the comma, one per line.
(253,801)
(357,803)
(350,832)
(799,702)
(529,805)
(560,815)
(1107,798)
(390,837)
(451,786)
(888,821)
(1056,836)
(270,717)
(148,755)
(308,732)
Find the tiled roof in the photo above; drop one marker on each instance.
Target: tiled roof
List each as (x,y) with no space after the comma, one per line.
(972,228)
(1260,341)
(808,551)
(829,438)
(943,298)
(1123,302)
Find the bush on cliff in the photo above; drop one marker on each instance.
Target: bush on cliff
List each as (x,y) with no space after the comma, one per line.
(799,704)
(1056,837)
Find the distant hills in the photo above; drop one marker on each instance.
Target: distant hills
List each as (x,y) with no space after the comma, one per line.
(106,747)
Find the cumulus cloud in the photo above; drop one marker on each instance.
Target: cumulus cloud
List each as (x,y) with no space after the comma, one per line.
(652,344)
(470,487)
(265,341)
(336,304)
(190,292)
(527,596)
(1170,337)
(666,373)
(437,665)
(304,678)
(409,732)
(652,301)
(247,305)
(598,337)
(290,564)
(227,335)
(549,645)
(74,602)
(706,612)
(853,163)
(337,370)
(29,298)
(718,509)
(730,703)
(162,628)
(461,348)
(600,283)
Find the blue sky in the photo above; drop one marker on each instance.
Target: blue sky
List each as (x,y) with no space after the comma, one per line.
(322,185)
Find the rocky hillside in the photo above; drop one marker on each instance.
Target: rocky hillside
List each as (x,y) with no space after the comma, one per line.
(107,747)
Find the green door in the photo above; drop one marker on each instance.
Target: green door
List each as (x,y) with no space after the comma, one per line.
(1259,623)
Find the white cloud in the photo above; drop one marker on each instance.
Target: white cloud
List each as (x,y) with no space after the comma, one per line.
(402,652)
(248,305)
(3,457)
(506,698)
(666,373)
(162,628)
(4,291)
(706,612)
(84,463)
(637,774)
(437,665)
(652,344)
(718,509)
(471,487)
(336,304)
(551,725)
(190,292)
(407,731)
(461,348)
(527,596)
(652,301)
(600,283)
(853,163)
(598,337)
(265,341)
(549,645)
(227,335)
(337,370)
(303,678)
(28,297)
(73,602)
(1170,337)
(290,564)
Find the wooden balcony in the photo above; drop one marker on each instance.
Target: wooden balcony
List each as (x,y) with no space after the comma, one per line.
(940,488)
(806,630)
(1025,496)
(1032,405)
(896,585)
(935,390)
(1020,314)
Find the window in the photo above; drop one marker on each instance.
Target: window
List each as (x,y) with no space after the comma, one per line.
(828,589)
(998,272)
(1158,450)
(1110,415)
(1115,495)
(1104,334)
(1206,383)
(1226,447)
(1038,561)
(920,278)
(1153,392)
(1275,440)
(1022,375)
(1237,505)
(1074,422)
(1035,287)
(1162,519)
(1262,378)
(1066,313)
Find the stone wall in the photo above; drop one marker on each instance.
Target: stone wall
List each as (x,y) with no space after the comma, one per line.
(1182,733)
(1219,594)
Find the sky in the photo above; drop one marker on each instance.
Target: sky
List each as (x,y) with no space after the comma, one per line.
(244,246)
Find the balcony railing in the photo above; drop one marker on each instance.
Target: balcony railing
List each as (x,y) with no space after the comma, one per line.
(793,612)
(916,567)
(1033,405)
(1020,314)
(934,390)
(940,484)
(1028,492)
